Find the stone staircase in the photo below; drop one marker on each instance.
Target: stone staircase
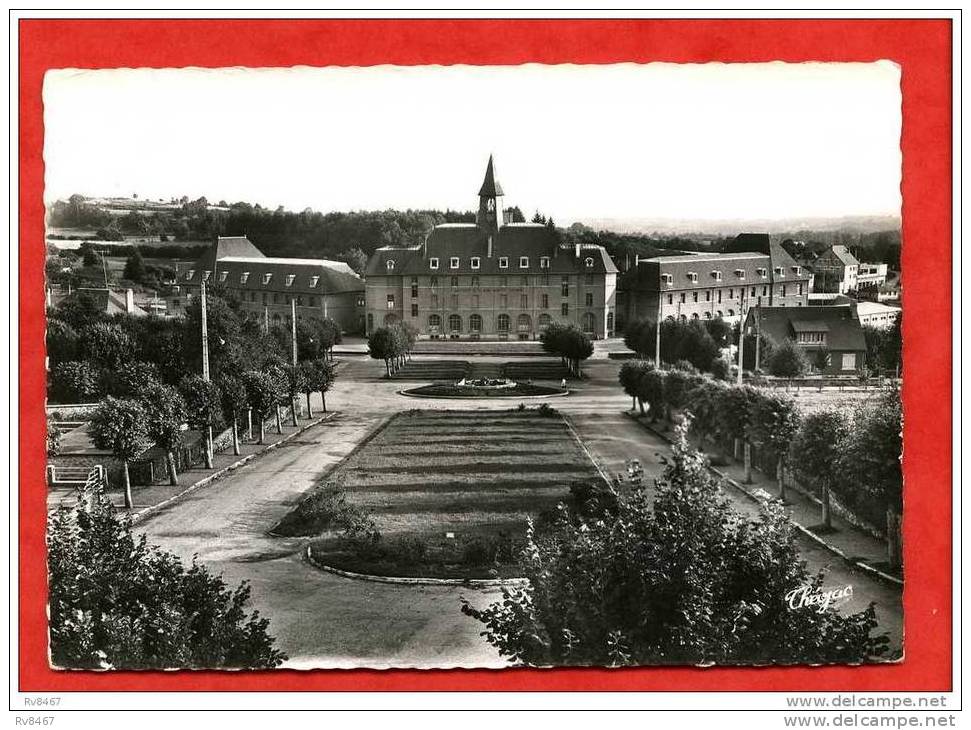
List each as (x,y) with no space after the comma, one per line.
(535,369)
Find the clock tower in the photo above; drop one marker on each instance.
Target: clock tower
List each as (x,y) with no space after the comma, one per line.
(491,215)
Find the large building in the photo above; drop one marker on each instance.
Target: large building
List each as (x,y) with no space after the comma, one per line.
(267,287)
(836,270)
(491,279)
(831,329)
(704,286)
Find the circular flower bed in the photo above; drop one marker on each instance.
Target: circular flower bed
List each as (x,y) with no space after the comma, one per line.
(503,389)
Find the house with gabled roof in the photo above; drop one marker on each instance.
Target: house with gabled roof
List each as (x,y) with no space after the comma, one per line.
(833,330)
(491,279)
(836,270)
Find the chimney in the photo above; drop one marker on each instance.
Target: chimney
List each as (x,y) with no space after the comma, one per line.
(489,248)
(129,301)
(576,250)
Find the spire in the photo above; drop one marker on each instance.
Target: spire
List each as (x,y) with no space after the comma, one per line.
(490,188)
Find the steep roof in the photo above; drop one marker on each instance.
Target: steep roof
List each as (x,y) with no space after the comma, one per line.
(646,276)
(842,327)
(490,187)
(844,255)
(467,241)
(246,273)
(112,302)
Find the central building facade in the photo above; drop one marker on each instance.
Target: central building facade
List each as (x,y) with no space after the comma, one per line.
(491,279)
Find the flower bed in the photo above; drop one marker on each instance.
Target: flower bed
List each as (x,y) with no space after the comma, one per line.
(508,390)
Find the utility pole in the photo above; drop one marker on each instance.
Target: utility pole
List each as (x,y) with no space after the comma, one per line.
(104,267)
(758,333)
(205,332)
(741,344)
(293,337)
(657,335)
(266,320)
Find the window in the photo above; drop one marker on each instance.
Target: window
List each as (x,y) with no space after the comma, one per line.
(589,299)
(244,277)
(455,323)
(524,301)
(434,323)
(267,278)
(454,299)
(503,301)
(390,265)
(708,295)
(264,297)
(206,275)
(454,282)
(589,323)
(716,275)
(670,298)
(782,290)
(288,298)
(694,296)
(290,278)
(299,301)
(414,287)
(390,301)
(524,262)
(544,262)
(740,273)
(313,281)
(753,291)
(223,275)
(189,274)
(370,322)
(504,281)
(565,309)
(799,286)
(762,272)
(693,276)
(433,281)
(588,262)
(434,301)
(475,301)
(565,287)
(276,297)
(523,323)
(503,262)
(475,282)
(682,297)
(780,271)
(475,262)
(453,263)
(765,291)
(313,301)
(610,322)
(524,280)
(545,321)
(545,298)
(731,294)
(502,323)
(475,323)
(719,296)
(796,270)
(433,263)
(667,278)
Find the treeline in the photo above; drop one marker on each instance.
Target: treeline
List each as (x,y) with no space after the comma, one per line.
(569,343)
(877,247)
(856,457)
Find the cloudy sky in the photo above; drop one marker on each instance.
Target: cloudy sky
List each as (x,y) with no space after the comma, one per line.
(690,142)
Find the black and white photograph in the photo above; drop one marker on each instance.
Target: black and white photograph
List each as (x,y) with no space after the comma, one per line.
(432,367)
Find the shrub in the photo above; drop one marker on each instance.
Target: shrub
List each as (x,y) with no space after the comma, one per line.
(721,369)
(407,549)
(75,381)
(476,553)
(323,508)
(546,410)
(593,500)
(788,361)
(360,535)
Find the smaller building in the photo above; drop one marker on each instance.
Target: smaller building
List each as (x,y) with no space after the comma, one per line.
(109,301)
(869,277)
(835,270)
(874,314)
(833,329)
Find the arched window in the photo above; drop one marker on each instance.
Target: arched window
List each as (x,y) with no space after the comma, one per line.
(694,316)
(523,323)
(731,312)
(434,323)
(545,321)
(707,315)
(589,322)
(720,314)
(588,262)
(684,318)
(390,265)
(610,322)
(475,323)
(455,323)
(502,323)
(390,319)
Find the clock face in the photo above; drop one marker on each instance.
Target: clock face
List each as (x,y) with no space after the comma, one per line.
(490,205)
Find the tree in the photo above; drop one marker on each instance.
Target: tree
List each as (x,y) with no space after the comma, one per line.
(261,394)
(79,310)
(720,331)
(117,603)
(134,266)
(384,345)
(815,454)
(232,398)
(89,257)
(62,342)
(680,577)
(165,415)
(105,344)
(73,382)
(53,440)
(772,424)
(788,361)
(765,347)
(130,380)
(223,327)
(650,390)
(732,413)
(295,385)
(872,480)
(572,345)
(697,346)
(119,426)
(203,408)
(356,259)
(631,372)
(821,360)
(639,336)
(318,376)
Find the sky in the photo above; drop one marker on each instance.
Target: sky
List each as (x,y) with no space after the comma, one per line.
(689,142)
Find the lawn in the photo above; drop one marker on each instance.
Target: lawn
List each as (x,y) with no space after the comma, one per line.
(449,491)
(811,400)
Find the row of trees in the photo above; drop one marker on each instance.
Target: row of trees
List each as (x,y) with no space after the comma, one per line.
(674,577)
(393,344)
(569,342)
(699,343)
(856,457)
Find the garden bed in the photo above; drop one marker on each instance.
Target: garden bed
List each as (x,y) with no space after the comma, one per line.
(450,390)
(442,494)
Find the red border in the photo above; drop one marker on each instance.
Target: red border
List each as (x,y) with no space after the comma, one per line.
(921,47)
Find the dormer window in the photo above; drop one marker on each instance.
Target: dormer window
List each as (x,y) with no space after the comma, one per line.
(189,274)
(796,270)
(223,275)
(267,278)
(390,265)
(523,262)
(588,262)
(780,271)
(762,272)
(290,278)
(244,277)
(503,262)
(667,279)
(433,263)
(693,276)
(475,262)
(716,275)
(206,275)
(544,262)
(313,281)
(453,263)
(740,273)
